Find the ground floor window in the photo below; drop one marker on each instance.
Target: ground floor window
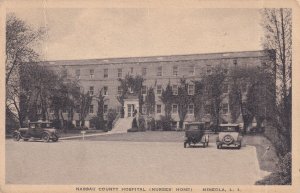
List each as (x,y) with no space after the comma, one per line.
(225,108)
(158,109)
(105,108)
(174,109)
(191,109)
(91,109)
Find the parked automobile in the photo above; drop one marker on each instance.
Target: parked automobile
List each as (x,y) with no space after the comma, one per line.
(229,136)
(37,130)
(195,133)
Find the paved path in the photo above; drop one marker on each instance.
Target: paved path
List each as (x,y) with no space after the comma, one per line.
(108,162)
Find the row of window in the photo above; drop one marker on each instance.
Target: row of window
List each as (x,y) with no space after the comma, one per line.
(191,89)
(159,71)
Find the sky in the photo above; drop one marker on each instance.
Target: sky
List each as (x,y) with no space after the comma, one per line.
(75,33)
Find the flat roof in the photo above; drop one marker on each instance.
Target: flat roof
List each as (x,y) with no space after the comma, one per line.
(168,58)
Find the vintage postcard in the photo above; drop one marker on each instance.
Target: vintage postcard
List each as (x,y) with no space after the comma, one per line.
(149,96)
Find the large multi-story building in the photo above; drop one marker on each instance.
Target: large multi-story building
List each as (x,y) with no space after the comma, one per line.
(157,72)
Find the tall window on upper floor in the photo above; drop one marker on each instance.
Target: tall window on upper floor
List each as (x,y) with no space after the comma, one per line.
(225,108)
(119,90)
(235,62)
(119,72)
(208,69)
(159,71)
(207,109)
(131,70)
(175,70)
(105,90)
(91,90)
(191,109)
(105,109)
(191,89)
(77,73)
(191,70)
(174,108)
(175,89)
(105,75)
(92,73)
(244,87)
(91,109)
(158,89)
(144,71)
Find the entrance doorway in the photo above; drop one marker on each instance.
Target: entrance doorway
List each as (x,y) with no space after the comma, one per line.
(130,110)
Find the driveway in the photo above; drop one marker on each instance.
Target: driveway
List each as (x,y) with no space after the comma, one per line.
(117,162)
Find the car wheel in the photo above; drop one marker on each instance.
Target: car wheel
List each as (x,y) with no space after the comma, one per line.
(184,144)
(25,139)
(16,137)
(54,138)
(46,137)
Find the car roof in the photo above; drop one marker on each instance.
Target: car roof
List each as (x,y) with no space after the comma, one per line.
(229,125)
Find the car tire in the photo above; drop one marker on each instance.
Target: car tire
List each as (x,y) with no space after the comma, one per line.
(55,138)
(46,137)
(184,144)
(16,137)
(25,139)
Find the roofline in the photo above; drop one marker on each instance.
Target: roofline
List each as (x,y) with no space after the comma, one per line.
(136,57)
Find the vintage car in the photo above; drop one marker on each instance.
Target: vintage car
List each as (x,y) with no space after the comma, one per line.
(229,136)
(37,130)
(195,133)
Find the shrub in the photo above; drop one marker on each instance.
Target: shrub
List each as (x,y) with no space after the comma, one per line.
(282,176)
(98,123)
(111,116)
(166,123)
(151,124)
(142,123)
(134,123)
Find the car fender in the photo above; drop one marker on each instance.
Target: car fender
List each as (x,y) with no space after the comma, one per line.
(205,138)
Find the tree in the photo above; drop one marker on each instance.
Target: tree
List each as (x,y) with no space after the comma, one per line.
(214,84)
(198,97)
(20,41)
(85,101)
(183,99)
(167,99)
(150,101)
(100,112)
(277,25)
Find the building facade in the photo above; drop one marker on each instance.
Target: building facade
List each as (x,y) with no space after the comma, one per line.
(157,71)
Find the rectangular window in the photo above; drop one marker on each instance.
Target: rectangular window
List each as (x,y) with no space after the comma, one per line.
(158,109)
(65,111)
(91,110)
(158,89)
(175,89)
(131,70)
(235,62)
(144,90)
(105,73)
(191,109)
(91,91)
(191,89)
(225,108)
(77,73)
(175,70)
(208,69)
(119,90)
(174,109)
(51,111)
(119,72)
(192,70)
(105,109)
(144,71)
(91,73)
(225,89)
(159,71)
(105,91)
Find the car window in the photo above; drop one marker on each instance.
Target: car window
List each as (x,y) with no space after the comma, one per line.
(193,127)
